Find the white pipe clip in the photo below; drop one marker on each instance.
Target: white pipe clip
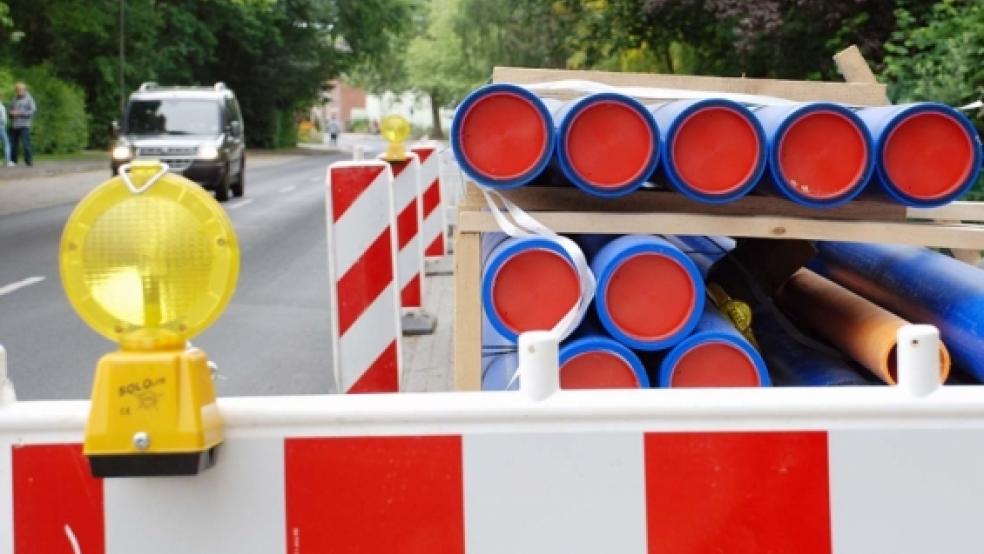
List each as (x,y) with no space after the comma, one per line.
(7,395)
(918,359)
(539,364)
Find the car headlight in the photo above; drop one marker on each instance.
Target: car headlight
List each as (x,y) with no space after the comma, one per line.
(208,152)
(121,153)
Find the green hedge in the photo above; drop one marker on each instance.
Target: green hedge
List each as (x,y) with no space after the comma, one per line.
(60,124)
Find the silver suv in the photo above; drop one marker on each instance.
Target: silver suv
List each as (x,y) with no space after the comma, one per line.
(197,131)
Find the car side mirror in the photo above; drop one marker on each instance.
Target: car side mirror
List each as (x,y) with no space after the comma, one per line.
(235,128)
(114,129)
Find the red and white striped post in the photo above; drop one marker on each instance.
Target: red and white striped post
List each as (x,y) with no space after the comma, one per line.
(433,229)
(408,207)
(362,246)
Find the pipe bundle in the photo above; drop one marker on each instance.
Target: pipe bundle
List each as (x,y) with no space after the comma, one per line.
(715,150)
(650,323)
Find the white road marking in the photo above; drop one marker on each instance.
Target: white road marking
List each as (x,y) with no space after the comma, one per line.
(288,188)
(7,289)
(240,204)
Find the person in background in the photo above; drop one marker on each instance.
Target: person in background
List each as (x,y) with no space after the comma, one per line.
(334,128)
(4,136)
(21,115)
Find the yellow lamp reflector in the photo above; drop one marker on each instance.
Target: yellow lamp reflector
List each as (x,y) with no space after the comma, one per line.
(396,129)
(162,261)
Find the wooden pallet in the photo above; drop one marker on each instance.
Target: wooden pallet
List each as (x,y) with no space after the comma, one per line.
(959,226)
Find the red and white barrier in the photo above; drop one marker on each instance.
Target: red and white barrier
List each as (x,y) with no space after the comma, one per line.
(433,229)
(408,207)
(743,471)
(362,246)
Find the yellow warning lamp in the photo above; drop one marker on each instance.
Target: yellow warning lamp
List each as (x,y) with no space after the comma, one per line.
(396,129)
(149,259)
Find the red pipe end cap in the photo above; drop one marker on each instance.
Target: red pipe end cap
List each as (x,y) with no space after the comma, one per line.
(534,289)
(597,370)
(650,296)
(928,155)
(715,364)
(715,150)
(823,154)
(609,144)
(503,136)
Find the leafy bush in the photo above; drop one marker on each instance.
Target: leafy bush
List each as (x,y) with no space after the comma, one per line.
(360,125)
(60,123)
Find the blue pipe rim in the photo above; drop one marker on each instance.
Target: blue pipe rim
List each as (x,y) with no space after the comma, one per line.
(537,104)
(497,259)
(793,194)
(669,363)
(892,190)
(674,176)
(601,303)
(565,164)
(584,345)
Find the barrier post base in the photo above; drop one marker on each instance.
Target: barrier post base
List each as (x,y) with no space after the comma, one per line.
(439,266)
(418,322)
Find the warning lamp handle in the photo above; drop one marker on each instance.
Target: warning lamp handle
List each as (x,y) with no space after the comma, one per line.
(125,175)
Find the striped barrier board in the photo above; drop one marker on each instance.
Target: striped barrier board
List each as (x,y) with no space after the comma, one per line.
(631,471)
(362,246)
(433,229)
(408,205)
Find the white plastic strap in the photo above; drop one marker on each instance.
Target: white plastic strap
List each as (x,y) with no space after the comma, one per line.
(972,106)
(521,224)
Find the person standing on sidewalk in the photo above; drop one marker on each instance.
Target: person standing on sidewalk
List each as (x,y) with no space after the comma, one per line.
(334,129)
(21,114)
(4,136)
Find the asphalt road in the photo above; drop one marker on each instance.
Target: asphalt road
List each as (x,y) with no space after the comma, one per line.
(273,338)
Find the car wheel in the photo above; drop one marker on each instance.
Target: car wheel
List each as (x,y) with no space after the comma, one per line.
(222,188)
(239,185)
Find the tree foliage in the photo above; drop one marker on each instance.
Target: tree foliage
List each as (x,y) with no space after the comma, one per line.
(274,53)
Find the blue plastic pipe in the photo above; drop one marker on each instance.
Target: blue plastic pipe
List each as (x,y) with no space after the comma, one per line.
(495,126)
(777,121)
(712,328)
(498,255)
(672,115)
(705,251)
(589,343)
(884,122)
(794,364)
(575,162)
(918,284)
(606,264)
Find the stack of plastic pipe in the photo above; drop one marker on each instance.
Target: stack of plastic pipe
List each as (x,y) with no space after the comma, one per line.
(715,355)
(927,154)
(713,150)
(502,136)
(820,154)
(919,284)
(528,284)
(607,144)
(650,294)
(859,328)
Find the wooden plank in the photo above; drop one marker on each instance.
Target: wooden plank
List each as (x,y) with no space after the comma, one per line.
(924,234)
(467,311)
(956,211)
(571,199)
(860,94)
(853,66)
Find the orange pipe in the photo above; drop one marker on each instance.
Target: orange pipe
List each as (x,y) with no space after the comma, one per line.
(861,329)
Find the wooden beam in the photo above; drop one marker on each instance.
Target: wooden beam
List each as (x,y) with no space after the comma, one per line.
(467,311)
(853,66)
(860,94)
(924,234)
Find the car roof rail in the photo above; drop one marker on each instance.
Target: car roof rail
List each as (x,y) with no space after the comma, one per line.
(148,85)
(220,86)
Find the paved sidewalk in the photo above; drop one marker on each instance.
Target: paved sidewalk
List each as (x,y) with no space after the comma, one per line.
(427,359)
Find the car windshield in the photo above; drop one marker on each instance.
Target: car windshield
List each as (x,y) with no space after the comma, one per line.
(173,117)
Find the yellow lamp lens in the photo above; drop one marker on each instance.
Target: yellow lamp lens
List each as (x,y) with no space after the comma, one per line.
(165,259)
(394,128)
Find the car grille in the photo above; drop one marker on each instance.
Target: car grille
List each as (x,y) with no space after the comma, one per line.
(175,164)
(166,151)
